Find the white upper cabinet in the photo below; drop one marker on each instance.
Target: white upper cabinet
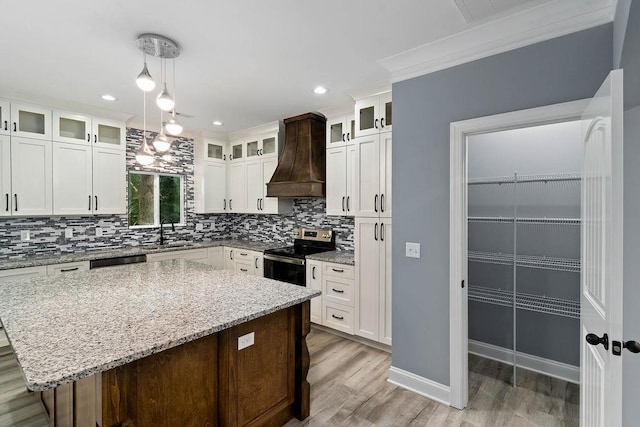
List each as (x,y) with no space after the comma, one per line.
(237,194)
(254,185)
(72,179)
(109,134)
(340,131)
(30,121)
(373,176)
(237,151)
(336,181)
(215,152)
(5,117)
(5,176)
(374,115)
(215,190)
(109,181)
(210,176)
(31,177)
(71,127)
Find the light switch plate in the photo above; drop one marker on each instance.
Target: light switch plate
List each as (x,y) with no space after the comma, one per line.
(412,250)
(25,235)
(246,340)
(68,232)
(98,231)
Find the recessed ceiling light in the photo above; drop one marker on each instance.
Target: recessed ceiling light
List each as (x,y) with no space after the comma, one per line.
(320,90)
(108,97)
(217,123)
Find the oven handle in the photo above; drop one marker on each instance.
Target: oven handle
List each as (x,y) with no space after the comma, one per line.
(294,261)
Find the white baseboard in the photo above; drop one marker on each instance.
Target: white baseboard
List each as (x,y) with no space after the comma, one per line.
(548,367)
(417,384)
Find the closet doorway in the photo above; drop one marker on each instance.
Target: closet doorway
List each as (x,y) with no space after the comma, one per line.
(517,299)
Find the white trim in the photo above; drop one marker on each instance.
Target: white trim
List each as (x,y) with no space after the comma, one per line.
(420,385)
(458,312)
(512,31)
(530,362)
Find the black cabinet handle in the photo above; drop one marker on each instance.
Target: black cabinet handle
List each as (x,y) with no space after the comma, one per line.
(243,269)
(88,137)
(15,127)
(375,231)
(348,136)
(256,262)
(7,208)
(244,253)
(89,202)
(348,208)
(224,157)
(344,138)
(258,204)
(338,291)
(382,122)
(375,203)
(230,156)
(382,232)
(313,272)
(261,204)
(343,199)
(337,317)
(96,202)
(376,124)
(95,138)
(64,270)
(338,270)
(230,205)
(382,203)
(593,339)
(231,254)
(225,204)
(5,125)
(15,199)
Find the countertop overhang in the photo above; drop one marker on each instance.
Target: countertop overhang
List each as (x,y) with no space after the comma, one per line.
(64,328)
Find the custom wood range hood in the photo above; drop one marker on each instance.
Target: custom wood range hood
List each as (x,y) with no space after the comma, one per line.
(301,168)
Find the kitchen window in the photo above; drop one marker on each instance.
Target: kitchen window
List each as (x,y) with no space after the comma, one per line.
(155,198)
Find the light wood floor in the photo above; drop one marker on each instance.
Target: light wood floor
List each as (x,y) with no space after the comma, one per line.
(349,388)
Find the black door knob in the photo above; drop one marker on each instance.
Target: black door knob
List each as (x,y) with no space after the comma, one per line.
(632,346)
(593,339)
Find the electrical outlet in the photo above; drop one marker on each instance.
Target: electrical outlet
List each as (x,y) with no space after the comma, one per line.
(412,250)
(246,340)
(98,231)
(199,226)
(25,235)
(68,232)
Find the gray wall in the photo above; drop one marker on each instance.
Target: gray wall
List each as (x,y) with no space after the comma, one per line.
(564,69)
(630,61)
(619,30)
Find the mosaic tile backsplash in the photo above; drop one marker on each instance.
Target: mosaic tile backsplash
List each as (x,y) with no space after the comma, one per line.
(48,233)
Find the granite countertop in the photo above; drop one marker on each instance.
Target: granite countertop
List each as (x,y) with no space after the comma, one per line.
(35,261)
(64,328)
(339,257)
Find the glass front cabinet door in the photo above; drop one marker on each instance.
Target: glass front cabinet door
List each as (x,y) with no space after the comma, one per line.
(71,127)
(374,115)
(109,134)
(340,131)
(30,121)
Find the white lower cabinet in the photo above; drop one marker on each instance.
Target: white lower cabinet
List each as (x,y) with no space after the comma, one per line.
(314,281)
(337,316)
(199,255)
(250,262)
(228,263)
(22,273)
(373,275)
(67,267)
(215,257)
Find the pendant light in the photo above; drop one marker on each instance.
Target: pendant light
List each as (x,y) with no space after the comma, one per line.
(164,100)
(144,79)
(173,126)
(144,155)
(161,143)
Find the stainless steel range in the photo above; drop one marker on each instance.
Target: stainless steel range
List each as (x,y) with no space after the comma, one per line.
(288,264)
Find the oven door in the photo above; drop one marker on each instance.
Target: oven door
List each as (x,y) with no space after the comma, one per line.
(290,270)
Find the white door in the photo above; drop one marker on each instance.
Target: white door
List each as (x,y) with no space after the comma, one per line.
(268,204)
(215,175)
(254,185)
(31,176)
(5,176)
(336,181)
(602,238)
(237,187)
(367,200)
(385,281)
(72,179)
(367,238)
(385,174)
(351,200)
(109,181)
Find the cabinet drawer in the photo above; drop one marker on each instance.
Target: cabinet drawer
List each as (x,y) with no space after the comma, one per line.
(67,267)
(338,317)
(338,290)
(339,270)
(242,254)
(190,254)
(22,273)
(245,266)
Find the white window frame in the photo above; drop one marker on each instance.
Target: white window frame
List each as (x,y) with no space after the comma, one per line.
(156,198)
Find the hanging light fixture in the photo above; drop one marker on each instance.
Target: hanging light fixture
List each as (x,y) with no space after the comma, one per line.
(144,155)
(144,79)
(163,48)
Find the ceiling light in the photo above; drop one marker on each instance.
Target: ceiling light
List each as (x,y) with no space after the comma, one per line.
(161,143)
(144,79)
(217,123)
(108,97)
(173,126)
(320,90)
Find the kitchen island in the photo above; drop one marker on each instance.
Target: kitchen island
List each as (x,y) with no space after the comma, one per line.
(162,343)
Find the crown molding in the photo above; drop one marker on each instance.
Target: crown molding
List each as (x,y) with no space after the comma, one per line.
(540,23)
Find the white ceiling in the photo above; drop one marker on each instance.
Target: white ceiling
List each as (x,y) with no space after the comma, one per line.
(244,62)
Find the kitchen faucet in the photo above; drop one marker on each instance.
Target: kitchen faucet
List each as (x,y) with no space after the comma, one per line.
(162,222)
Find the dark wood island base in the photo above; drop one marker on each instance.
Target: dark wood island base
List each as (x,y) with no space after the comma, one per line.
(206,382)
